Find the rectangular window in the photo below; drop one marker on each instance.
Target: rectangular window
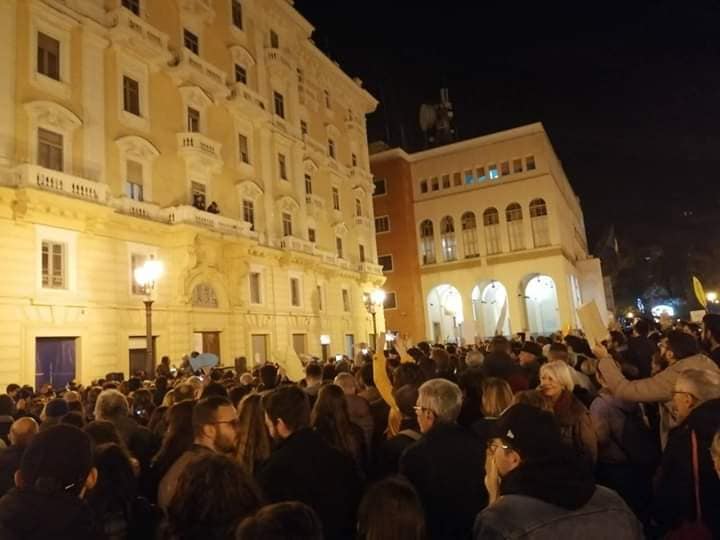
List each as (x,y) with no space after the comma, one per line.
(361,253)
(300,76)
(480,172)
(132,5)
(354,159)
(469,177)
(505,168)
(243,148)
(346,300)
(131,95)
(446,181)
(493,172)
(380,186)
(136,261)
(386,261)
(240,74)
(237,14)
(282,166)
(328,104)
(530,163)
(287,224)
(295,292)
(303,128)
(358,208)
(50,149)
(48,56)
(336,198)
(423,186)
(255,286)
(308,184)
(274,40)
(53,265)
(339,246)
(435,183)
(193,120)
(279,101)
(517,165)
(311,235)
(134,180)
(249,213)
(331,148)
(390,301)
(191,41)
(382,224)
(457,179)
(320,297)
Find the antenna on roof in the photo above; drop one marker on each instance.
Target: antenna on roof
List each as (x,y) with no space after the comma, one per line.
(436,120)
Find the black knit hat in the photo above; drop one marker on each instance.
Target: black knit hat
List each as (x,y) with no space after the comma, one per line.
(57,460)
(531,432)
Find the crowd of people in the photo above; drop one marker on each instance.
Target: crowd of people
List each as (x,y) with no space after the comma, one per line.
(534,438)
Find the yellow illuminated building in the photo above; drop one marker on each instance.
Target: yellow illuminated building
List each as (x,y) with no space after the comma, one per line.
(121,122)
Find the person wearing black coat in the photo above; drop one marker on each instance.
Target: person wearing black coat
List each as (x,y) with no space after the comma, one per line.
(303,467)
(447,465)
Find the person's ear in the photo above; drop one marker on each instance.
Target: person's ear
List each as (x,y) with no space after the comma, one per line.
(19,482)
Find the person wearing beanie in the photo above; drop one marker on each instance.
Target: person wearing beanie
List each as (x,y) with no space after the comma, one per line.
(538,488)
(530,359)
(56,472)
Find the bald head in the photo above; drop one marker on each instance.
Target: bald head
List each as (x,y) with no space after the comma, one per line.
(22,431)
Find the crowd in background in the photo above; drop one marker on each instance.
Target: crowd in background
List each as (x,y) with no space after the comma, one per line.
(531,437)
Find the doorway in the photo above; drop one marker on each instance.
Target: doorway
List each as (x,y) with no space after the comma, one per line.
(259,348)
(299,343)
(207,342)
(137,355)
(349,345)
(55,361)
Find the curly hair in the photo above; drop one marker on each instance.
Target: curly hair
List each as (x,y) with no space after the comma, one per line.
(213,495)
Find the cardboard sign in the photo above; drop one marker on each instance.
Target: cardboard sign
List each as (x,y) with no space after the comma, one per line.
(697,315)
(592,323)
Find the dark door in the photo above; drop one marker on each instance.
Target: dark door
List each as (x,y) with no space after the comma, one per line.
(54,361)
(211,343)
(138,359)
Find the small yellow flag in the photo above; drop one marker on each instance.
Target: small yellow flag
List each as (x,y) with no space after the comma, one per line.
(699,291)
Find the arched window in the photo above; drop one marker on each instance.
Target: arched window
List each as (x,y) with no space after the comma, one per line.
(447,238)
(427,242)
(513,215)
(469,232)
(491,222)
(539,222)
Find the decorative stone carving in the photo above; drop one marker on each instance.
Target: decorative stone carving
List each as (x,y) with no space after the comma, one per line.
(137,148)
(204,295)
(52,114)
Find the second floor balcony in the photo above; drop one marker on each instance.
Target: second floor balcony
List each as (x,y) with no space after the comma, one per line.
(191,69)
(139,37)
(248,102)
(60,182)
(200,151)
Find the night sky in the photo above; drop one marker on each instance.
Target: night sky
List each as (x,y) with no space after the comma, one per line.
(628,92)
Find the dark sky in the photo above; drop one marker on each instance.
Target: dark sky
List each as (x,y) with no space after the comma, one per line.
(628,92)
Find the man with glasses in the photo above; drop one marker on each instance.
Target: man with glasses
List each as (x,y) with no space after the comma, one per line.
(540,490)
(215,430)
(447,465)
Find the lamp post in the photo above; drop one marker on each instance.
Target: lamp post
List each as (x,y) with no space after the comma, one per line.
(147,276)
(712,297)
(372,301)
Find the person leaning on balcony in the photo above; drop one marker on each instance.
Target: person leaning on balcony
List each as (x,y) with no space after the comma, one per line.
(213,208)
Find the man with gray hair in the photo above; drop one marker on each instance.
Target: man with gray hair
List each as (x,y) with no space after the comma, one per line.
(474,359)
(112,406)
(21,433)
(447,465)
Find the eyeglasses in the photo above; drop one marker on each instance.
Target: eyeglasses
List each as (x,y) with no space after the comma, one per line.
(494,445)
(419,410)
(235,422)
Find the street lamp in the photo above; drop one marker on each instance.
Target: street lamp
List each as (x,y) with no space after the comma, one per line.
(372,301)
(147,276)
(712,297)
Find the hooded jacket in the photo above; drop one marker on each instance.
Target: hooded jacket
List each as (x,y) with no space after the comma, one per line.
(555,498)
(28,515)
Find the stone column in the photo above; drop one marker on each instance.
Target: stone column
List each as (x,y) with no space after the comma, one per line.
(8,61)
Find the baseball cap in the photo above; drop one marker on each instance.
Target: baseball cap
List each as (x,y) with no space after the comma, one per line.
(531,432)
(57,460)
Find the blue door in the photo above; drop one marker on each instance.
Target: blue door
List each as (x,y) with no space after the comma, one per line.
(54,361)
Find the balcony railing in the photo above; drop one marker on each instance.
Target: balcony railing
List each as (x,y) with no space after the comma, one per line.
(278,60)
(216,222)
(370,268)
(190,68)
(59,182)
(296,244)
(197,142)
(139,36)
(141,209)
(362,221)
(250,101)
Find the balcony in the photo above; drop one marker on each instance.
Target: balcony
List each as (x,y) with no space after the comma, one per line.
(279,62)
(370,268)
(192,216)
(315,205)
(362,221)
(328,257)
(59,182)
(141,209)
(314,147)
(134,34)
(250,103)
(296,244)
(200,152)
(193,70)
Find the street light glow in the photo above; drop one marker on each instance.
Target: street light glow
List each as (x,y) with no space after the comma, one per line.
(147,275)
(711,296)
(377,297)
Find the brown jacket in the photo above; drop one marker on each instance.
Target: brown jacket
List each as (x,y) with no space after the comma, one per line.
(576,426)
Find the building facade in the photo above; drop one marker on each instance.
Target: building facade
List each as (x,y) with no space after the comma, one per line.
(210,134)
(484,236)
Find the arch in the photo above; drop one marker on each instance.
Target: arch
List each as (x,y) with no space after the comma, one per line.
(52,114)
(200,280)
(138,148)
(491,224)
(287,204)
(447,238)
(541,304)
(427,242)
(514,218)
(445,313)
(539,222)
(490,309)
(469,232)
(195,97)
(242,56)
(247,189)
(204,295)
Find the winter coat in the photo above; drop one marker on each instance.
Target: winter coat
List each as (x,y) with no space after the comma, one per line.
(675,499)
(555,498)
(576,426)
(608,415)
(447,468)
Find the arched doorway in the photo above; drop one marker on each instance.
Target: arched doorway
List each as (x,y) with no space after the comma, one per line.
(445,314)
(541,303)
(490,309)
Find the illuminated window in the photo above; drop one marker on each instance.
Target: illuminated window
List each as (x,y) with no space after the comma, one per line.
(469,177)
(493,172)
(530,163)
(53,265)
(517,165)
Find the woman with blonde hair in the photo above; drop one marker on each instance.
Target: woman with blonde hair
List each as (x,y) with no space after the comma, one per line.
(496,397)
(556,384)
(253,439)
